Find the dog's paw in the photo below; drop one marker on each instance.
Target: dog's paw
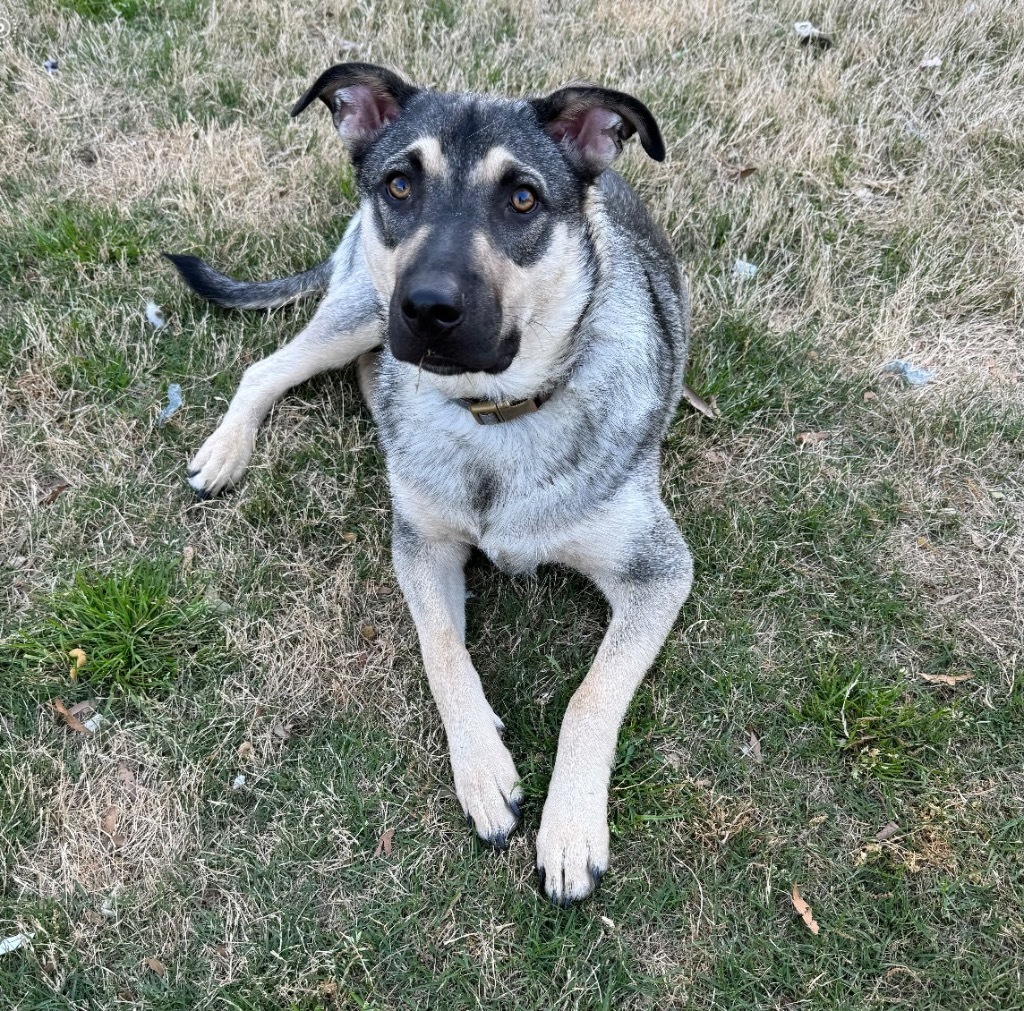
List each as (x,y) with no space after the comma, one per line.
(487,785)
(572,846)
(222,459)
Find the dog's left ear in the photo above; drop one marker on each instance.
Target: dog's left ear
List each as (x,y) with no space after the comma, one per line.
(592,123)
(363,99)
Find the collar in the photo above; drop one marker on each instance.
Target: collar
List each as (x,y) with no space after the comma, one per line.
(487,412)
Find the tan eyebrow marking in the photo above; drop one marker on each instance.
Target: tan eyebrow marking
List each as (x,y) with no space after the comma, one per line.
(493,165)
(430,153)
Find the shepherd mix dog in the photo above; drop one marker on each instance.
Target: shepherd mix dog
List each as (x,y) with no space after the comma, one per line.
(521,328)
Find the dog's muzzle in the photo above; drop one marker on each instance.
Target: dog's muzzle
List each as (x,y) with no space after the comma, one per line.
(432,324)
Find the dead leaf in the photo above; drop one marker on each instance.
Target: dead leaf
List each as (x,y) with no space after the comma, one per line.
(245,750)
(804,910)
(737,173)
(349,537)
(282,731)
(81,707)
(752,749)
(698,403)
(812,438)
(221,949)
(385,844)
(869,395)
(887,832)
(368,632)
(69,718)
(78,655)
(188,554)
(54,492)
(157,966)
(108,820)
(945,679)
(126,778)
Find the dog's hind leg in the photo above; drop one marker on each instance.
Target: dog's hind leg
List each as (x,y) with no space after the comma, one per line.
(638,559)
(432,579)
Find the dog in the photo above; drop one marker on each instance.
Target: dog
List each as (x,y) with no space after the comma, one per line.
(521,327)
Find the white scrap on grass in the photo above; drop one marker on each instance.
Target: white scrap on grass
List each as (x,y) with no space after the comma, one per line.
(971,9)
(931,61)
(51,66)
(94,723)
(155,316)
(806,30)
(174,402)
(744,271)
(9,944)
(238,782)
(913,374)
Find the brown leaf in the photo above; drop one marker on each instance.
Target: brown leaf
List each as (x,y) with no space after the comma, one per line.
(349,537)
(812,438)
(887,832)
(84,706)
(385,844)
(753,748)
(945,679)
(126,778)
(157,966)
(54,492)
(69,718)
(698,403)
(108,820)
(368,632)
(245,750)
(221,949)
(869,395)
(737,173)
(188,554)
(804,910)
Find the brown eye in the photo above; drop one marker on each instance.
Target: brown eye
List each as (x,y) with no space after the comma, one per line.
(399,187)
(523,200)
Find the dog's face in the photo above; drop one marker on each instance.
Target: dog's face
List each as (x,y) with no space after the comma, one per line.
(475,213)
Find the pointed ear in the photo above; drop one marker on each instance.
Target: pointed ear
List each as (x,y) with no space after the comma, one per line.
(591,124)
(363,99)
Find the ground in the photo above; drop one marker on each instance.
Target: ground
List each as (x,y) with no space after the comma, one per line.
(840,705)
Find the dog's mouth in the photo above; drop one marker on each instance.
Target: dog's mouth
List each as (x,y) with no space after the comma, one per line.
(440,365)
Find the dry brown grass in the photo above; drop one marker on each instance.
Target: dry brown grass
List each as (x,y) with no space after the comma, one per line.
(887,216)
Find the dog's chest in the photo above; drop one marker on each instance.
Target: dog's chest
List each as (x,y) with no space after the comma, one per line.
(506,489)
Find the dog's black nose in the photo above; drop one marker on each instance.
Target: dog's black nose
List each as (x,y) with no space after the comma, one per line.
(432,309)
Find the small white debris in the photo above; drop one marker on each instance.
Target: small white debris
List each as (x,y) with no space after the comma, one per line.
(744,271)
(913,374)
(51,66)
(155,316)
(174,402)
(608,922)
(971,9)
(9,944)
(107,910)
(810,35)
(931,61)
(94,722)
(238,782)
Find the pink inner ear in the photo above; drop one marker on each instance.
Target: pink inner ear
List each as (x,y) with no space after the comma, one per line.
(361,112)
(594,133)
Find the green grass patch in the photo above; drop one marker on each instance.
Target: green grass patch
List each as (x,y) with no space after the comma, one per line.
(136,626)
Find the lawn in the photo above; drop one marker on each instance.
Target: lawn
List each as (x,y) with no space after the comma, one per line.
(840,707)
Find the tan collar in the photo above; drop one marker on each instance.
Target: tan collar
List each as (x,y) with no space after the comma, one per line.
(487,412)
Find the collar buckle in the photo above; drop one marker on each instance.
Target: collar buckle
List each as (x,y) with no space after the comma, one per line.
(487,412)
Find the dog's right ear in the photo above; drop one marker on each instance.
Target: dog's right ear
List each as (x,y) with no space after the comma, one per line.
(363,99)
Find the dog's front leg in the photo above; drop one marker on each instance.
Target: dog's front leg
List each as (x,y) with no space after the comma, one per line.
(345,325)
(432,579)
(645,572)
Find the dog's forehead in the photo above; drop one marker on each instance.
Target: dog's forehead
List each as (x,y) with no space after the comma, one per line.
(474,137)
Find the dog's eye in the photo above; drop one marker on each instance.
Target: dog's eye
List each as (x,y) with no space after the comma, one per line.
(399,187)
(523,200)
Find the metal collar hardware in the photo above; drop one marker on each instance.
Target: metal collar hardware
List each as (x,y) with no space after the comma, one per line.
(487,412)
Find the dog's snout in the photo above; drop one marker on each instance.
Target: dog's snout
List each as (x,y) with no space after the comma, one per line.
(432,308)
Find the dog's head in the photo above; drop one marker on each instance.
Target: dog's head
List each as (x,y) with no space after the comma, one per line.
(475,214)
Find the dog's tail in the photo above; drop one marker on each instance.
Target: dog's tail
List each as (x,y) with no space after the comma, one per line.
(231,294)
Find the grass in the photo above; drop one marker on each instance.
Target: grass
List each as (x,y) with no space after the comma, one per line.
(255,746)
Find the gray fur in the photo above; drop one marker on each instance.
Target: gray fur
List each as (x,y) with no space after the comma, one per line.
(447,291)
